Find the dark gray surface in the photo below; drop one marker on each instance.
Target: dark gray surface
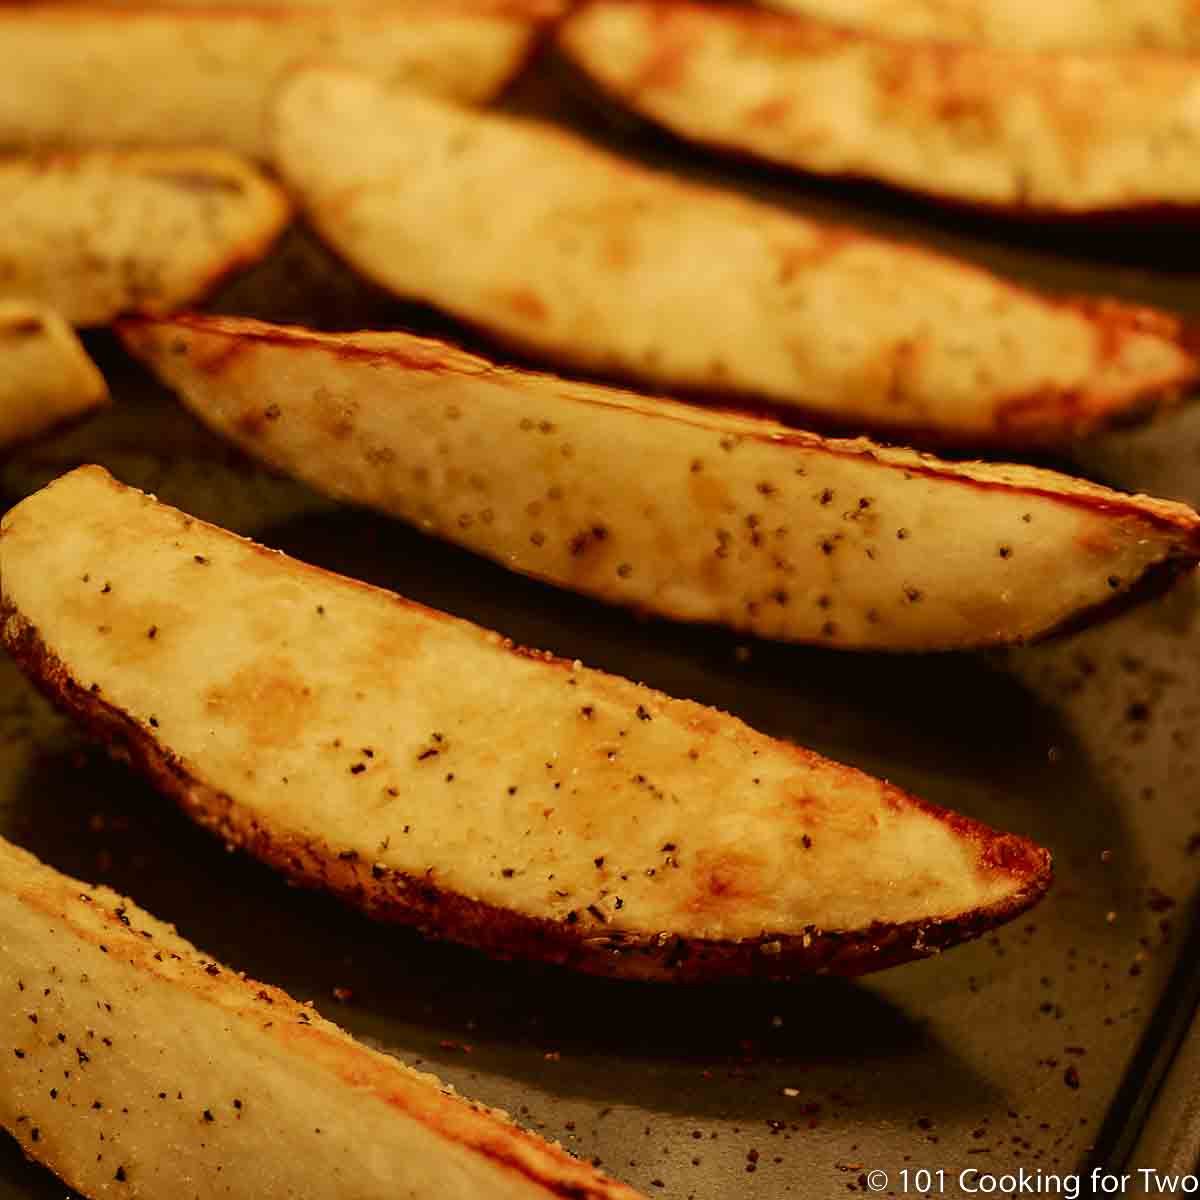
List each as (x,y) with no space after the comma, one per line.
(1089,745)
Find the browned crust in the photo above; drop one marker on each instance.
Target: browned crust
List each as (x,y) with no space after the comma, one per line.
(785,29)
(391,895)
(1187,527)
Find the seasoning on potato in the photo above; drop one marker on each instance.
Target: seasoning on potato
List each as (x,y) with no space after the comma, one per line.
(97,233)
(47,379)
(592,261)
(672,509)
(179,74)
(134,1064)
(430,772)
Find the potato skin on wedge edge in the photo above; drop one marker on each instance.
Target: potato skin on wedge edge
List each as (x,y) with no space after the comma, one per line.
(210,1083)
(673,509)
(555,812)
(389,895)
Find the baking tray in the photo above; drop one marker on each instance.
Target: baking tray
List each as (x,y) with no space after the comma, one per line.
(1053,1046)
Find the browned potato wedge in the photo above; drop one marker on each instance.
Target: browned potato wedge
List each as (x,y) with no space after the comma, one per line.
(1020,24)
(430,772)
(686,512)
(1029,132)
(97,233)
(585,258)
(46,377)
(155,74)
(135,1065)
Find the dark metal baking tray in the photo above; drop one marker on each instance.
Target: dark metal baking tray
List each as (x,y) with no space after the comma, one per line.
(1047,1047)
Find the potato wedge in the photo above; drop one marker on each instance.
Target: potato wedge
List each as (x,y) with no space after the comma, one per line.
(1026,132)
(136,1065)
(1020,24)
(430,772)
(548,242)
(82,75)
(98,233)
(676,510)
(46,377)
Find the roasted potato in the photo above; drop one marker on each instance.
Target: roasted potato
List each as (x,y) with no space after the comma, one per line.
(46,377)
(134,1065)
(594,262)
(430,772)
(97,233)
(1027,132)
(83,75)
(676,510)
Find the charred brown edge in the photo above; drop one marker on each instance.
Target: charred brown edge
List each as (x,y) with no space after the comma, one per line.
(1142,214)
(391,895)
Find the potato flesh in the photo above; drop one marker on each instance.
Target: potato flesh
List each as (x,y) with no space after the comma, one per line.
(1020,24)
(1069,132)
(600,263)
(426,745)
(176,1076)
(100,233)
(696,515)
(78,75)
(46,377)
